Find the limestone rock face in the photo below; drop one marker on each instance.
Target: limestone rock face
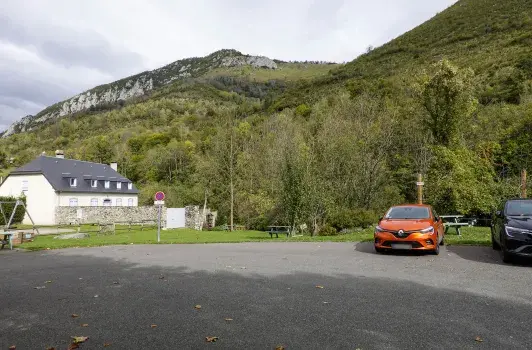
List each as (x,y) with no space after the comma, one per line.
(139,85)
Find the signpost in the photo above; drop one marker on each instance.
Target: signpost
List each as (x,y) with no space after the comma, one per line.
(419,185)
(159,202)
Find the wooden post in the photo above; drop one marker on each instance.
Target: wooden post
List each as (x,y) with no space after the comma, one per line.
(419,184)
(523,183)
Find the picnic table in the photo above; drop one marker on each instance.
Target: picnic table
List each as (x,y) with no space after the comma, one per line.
(275,230)
(6,239)
(456,222)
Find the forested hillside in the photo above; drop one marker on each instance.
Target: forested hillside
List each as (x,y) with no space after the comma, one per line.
(330,146)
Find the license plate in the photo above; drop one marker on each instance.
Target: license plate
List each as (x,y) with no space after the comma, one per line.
(401,246)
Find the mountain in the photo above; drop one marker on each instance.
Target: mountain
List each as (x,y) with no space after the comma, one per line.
(223,62)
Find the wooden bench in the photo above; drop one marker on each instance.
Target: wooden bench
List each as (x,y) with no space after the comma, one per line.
(275,230)
(7,239)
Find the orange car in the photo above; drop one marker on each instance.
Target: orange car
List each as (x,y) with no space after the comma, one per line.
(410,227)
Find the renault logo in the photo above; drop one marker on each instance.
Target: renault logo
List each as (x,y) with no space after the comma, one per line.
(401,233)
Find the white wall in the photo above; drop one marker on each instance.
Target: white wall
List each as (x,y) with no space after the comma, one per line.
(41,198)
(84,199)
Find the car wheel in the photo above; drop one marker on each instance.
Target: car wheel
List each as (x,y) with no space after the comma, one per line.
(436,250)
(494,243)
(442,241)
(505,255)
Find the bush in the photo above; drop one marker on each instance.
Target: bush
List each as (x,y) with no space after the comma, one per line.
(328,230)
(348,218)
(364,218)
(303,110)
(259,223)
(8,209)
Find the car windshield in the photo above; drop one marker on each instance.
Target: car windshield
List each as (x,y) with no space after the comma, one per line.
(408,213)
(519,208)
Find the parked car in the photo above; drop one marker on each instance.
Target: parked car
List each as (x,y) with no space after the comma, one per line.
(410,227)
(511,229)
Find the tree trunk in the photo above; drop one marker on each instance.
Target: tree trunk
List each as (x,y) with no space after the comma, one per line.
(202,221)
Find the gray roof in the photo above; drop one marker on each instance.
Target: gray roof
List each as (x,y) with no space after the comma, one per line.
(58,172)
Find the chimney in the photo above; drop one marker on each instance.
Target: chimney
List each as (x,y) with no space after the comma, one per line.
(59,154)
(114,166)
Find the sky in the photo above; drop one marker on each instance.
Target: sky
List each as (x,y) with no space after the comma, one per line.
(52,50)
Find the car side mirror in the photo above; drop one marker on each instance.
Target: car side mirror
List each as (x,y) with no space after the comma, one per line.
(380,219)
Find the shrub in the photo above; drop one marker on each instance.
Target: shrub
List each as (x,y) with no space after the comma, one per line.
(328,230)
(364,218)
(8,209)
(348,218)
(303,110)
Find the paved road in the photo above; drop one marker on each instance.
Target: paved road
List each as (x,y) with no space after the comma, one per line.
(269,291)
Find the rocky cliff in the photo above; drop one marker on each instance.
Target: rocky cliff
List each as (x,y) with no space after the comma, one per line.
(139,85)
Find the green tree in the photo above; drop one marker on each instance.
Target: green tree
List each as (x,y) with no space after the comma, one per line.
(448,100)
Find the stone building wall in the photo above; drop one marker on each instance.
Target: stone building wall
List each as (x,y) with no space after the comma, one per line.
(89,215)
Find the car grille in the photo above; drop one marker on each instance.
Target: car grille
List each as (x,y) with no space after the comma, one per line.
(405,234)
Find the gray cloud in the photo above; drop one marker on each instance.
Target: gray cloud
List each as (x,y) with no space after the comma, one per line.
(52,50)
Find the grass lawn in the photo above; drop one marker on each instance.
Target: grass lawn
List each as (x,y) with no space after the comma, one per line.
(470,235)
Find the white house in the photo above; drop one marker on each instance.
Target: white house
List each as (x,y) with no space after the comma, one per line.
(50,182)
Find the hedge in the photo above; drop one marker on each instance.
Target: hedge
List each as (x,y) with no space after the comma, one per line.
(8,209)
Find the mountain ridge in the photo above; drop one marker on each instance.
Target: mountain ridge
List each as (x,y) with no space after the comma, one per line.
(141,84)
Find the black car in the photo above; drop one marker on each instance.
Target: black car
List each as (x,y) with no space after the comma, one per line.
(511,229)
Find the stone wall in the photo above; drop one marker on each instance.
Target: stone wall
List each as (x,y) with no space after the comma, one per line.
(86,215)
(193,217)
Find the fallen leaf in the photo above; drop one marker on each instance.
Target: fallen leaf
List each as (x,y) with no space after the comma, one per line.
(73,346)
(40,287)
(197,307)
(153,326)
(48,282)
(96,296)
(479,339)
(12,347)
(228,319)
(326,302)
(85,325)
(130,243)
(211,339)
(106,344)
(320,287)
(75,315)
(161,278)
(47,248)
(79,339)
(116,283)
(280,347)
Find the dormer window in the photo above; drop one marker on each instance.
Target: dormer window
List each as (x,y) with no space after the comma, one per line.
(107,184)
(73,182)
(94,183)
(118,185)
(129,186)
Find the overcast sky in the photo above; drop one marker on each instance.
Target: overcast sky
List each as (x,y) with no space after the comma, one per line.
(51,50)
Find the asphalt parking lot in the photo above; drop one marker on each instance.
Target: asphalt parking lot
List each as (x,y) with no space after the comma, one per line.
(264,295)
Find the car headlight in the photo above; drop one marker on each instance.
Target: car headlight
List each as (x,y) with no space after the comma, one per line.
(514,231)
(378,229)
(428,230)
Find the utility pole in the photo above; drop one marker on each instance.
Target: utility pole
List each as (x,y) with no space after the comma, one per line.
(523,183)
(419,185)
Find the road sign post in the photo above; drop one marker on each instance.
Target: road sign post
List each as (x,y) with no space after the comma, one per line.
(159,202)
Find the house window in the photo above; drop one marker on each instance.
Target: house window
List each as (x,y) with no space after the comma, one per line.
(73,182)
(107,184)
(94,183)
(24,185)
(119,202)
(94,202)
(130,202)
(73,202)
(118,185)
(129,186)
(107,202)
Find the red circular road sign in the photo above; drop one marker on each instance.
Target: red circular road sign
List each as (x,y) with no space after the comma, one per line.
(159,196)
